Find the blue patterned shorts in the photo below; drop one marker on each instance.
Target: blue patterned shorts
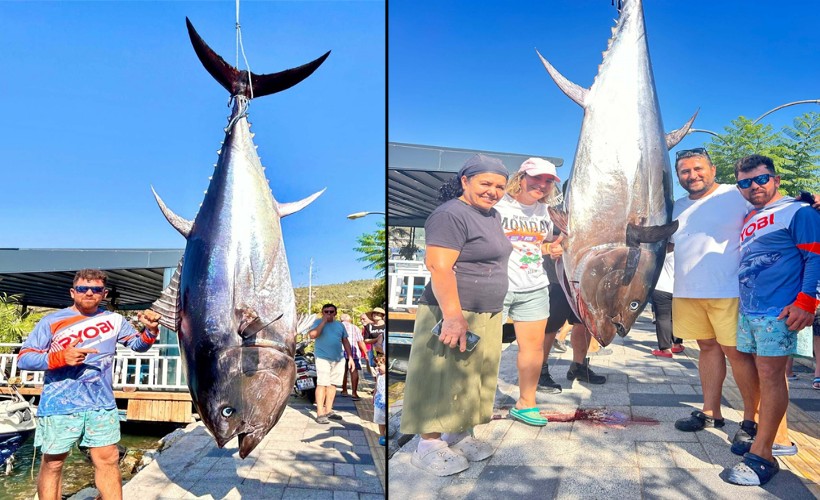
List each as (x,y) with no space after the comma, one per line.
(765,336)
(56,434)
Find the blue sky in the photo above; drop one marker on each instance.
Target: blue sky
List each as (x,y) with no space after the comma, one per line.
(104,99)
(465,74)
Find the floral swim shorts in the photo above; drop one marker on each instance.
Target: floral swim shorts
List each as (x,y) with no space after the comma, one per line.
(765,336)
(56,434)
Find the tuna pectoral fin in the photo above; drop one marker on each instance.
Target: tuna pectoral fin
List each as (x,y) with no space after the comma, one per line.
(235,81)
(182,225)
(559,218)
(291,208)
(252,324)
(572,90)
(635,235)
(675,136)
(168,302)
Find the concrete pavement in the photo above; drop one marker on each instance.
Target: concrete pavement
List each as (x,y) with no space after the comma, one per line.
(622,444)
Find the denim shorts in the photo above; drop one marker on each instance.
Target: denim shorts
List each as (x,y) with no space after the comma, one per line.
(56,434)
(765,336)
(527,306)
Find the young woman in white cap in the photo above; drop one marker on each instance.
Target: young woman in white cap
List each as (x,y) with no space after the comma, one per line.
(449,388)
(527,225)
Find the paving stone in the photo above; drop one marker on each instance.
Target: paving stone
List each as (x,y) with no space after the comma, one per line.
(683,389)
(345,495)
(686,484)
(636,388)
(370,496)
(686,400)
(344,470)
(600,482)
(365,471)
(305,494)
(494,482)
(809,405)
(661,432)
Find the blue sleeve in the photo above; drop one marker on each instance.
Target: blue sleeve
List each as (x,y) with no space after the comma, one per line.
(805,229)
(34,353)
(136,341)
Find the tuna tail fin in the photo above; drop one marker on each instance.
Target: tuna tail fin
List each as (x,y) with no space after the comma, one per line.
(292,208)
(167,305)
(182,225)
(635,235)
(236,82)
(572,90)
(675,136)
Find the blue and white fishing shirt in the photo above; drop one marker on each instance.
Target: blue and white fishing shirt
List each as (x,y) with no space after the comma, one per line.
(780,258)
(89,386)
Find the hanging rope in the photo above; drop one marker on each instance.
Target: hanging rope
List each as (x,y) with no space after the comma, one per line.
(240,46)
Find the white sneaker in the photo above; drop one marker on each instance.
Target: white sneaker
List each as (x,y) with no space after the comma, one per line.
(781,450)
(440,460)
(473,449)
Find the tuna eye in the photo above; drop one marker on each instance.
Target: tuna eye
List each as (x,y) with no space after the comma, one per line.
(634,305)
(228,411)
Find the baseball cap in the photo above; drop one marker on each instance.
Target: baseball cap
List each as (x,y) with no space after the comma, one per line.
(539,166)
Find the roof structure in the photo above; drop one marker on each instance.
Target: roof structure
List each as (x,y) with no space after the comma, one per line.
(416,171)
(42,277)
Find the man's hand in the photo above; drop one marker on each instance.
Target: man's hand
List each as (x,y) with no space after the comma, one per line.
(150,319)
(454,332)
(76,357)
(351,365)
(555,249)
(796,318)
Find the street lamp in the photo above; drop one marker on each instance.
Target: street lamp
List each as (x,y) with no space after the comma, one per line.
(359,215)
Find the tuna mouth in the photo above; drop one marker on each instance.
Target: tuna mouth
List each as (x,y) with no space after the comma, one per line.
(247,442)
(619,327)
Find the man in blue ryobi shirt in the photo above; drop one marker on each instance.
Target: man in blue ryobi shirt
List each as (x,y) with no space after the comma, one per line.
(75,347)
(779,277)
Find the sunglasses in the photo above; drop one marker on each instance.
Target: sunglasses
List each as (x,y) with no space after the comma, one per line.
(85,289)
(328,312)
(760,180)
(691,152)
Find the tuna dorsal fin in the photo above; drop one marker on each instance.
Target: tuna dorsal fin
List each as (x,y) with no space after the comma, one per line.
(572,90)
(292,208)
(635,235)
(182,225)
(236,82)
(675,136)
(167,305)
(559,218)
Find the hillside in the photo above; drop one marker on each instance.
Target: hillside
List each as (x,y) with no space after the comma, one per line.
(350,297)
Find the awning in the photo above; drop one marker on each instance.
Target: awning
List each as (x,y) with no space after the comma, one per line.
(42,277)
(415,172)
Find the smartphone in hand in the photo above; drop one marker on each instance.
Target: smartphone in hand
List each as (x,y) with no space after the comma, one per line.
(472,338)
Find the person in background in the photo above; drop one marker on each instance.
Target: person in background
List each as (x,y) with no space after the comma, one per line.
(330,363)
(380,400)
(449,390)
(816,340)
(75,348)
(357,347)
(375,327)
(668,344)
(527,224)
(779,277)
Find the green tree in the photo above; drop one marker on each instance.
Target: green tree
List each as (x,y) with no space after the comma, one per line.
(795,150)
(802,154)
(15,322)
(740,139)
(372,246)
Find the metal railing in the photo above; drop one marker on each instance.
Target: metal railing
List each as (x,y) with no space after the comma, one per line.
(147,371)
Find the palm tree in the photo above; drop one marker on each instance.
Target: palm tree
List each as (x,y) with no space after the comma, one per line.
(372,246)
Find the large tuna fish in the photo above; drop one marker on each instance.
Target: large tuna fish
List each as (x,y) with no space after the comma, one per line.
(231,300)
(618,205)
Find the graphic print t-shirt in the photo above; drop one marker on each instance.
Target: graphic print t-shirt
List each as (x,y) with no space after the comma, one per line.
(779,258)
(89,386)
(527,227)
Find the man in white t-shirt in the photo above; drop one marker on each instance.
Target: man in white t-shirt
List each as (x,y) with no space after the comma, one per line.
(705,291)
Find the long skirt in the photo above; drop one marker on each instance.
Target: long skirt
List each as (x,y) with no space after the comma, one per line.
(447,390)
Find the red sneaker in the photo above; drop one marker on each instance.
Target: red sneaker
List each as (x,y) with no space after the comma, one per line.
(663,354)
(677,349)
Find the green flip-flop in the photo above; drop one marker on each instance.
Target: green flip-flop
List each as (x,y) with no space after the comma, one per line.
(530,416)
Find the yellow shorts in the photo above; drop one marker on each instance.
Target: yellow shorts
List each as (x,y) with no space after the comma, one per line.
(704,319)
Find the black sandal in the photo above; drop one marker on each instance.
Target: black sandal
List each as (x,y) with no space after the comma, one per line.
(698,421)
